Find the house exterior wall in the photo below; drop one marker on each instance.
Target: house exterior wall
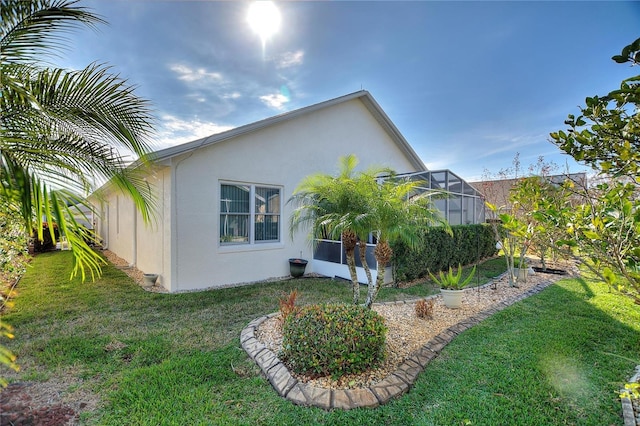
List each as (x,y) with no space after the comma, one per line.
(153,245)
(279,155)
(117,237)
(183,244)
(117,222)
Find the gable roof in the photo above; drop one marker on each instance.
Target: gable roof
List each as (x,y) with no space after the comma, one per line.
(363,95)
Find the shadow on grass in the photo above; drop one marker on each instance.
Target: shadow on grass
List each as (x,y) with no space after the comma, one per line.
(587,290)
(554,358)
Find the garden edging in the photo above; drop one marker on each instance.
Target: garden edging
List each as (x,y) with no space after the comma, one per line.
(395,384)
(630,416)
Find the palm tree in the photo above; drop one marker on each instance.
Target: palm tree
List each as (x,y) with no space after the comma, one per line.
(64,132)
(398,210)
(336,207)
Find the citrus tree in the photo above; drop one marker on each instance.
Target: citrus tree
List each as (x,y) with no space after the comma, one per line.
(604,232)
(517,198)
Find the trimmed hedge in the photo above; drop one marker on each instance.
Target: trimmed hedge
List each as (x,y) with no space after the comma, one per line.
(439,251)
(333,340)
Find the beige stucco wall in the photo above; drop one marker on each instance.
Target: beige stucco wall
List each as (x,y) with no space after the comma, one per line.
(154,239)
(118,237)
(183,245)
(281,155)
(118,221)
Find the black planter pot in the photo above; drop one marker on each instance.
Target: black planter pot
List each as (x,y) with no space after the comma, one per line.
(297,267)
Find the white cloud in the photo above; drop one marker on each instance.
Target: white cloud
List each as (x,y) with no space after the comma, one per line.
(275,100)
(197,97)
(194,74)
(174,131)
(290,59)
(233,95)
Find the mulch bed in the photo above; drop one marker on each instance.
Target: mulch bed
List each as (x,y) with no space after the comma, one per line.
(17,409)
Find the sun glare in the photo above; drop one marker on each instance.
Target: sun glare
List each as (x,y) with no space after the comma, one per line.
(264,19)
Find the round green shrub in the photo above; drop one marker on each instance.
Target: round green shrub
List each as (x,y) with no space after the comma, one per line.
(333,340)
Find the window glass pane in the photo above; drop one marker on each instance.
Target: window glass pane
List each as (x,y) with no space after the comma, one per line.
(234,228)
(267,217)
(242,223)
(266,228)
(234,199)
(234,213)
(267,200)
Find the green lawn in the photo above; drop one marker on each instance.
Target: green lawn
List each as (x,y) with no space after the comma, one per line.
(556,358)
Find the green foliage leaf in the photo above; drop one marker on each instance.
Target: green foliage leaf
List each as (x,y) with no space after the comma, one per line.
(62,128)
(333,340)
(609,275)
(620,59)
(590,234)
(451,280)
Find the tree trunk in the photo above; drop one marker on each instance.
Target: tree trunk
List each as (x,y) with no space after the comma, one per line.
(349,241)
(363,259)
(355,285)
(383,253)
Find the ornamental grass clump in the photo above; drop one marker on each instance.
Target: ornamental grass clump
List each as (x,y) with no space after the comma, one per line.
(333,340)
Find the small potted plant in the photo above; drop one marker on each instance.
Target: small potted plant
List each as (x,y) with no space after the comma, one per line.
(297,267)
(452,286)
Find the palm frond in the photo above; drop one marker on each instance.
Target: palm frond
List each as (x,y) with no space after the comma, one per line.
(64,132)
(31,28)
(92,103)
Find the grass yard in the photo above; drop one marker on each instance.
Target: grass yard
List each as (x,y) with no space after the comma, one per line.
(556,358)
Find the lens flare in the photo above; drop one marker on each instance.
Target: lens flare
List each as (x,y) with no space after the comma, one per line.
(264,19)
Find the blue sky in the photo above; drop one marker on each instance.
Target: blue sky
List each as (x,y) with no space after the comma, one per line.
(468,84)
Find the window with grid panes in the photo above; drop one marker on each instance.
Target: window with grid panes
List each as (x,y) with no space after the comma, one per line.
(249,213)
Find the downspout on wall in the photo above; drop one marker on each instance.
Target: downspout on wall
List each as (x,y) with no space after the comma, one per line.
(134,242)
(174,226)
(104,225)
(175,265)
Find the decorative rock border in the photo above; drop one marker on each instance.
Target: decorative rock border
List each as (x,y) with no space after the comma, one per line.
(395,384)
(628,413)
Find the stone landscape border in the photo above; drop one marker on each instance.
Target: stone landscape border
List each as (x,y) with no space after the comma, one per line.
(631,418)
(395,384)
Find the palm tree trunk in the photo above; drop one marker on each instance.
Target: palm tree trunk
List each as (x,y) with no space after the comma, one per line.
(362,244)
(355,285)
(383,253)
(349,241)
(374,288)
